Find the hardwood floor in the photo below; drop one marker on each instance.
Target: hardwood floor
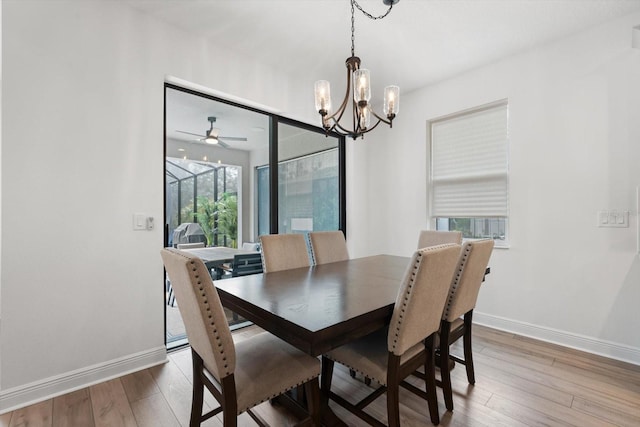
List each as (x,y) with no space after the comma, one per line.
(519,382)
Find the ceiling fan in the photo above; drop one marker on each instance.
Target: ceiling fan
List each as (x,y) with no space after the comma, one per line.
(212,136)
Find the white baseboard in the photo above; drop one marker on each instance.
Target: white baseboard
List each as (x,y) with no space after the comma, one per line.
(563,338)
(28,394)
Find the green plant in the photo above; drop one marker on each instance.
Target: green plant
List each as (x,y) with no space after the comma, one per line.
(206,217)
(227,213)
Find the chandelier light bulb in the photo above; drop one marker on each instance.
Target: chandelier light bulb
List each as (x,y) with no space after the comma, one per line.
(391,101)
(323,96)
(361,86)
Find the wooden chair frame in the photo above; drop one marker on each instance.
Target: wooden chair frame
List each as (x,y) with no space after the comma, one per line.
(396,374)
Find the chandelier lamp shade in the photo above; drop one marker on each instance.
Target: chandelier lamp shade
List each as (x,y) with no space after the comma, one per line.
(358,93)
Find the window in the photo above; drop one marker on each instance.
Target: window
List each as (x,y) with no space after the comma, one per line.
(308,194)
(469,172)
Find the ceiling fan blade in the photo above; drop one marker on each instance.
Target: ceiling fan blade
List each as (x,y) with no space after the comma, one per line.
(232,138)
(222,144)
(191,133)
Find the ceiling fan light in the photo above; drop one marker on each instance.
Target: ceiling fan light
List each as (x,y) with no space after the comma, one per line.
(212,136)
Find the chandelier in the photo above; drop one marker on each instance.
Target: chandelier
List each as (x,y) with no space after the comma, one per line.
(359,90)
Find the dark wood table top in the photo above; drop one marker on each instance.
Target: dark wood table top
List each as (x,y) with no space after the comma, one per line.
(319,308)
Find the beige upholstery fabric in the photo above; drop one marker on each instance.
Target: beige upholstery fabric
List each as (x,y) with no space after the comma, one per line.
(369,355)
(416,315)
(190,245)
(422,296)
(267,366)
(433,238)
(463,292)
(263,366)
(328,246)
(201,311)
(283,252)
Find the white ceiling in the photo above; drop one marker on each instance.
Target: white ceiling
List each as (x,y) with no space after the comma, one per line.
(419,43)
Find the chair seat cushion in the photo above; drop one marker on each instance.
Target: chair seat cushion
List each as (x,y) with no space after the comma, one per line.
(266,367)
(369,355)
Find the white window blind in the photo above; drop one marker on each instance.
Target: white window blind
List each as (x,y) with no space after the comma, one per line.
(469,164)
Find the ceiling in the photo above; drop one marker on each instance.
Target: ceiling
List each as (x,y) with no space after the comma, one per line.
(419,43)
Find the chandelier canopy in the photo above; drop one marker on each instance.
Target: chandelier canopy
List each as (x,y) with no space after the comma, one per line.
(358,90)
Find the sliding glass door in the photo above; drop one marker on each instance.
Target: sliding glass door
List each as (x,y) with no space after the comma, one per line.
(227,188)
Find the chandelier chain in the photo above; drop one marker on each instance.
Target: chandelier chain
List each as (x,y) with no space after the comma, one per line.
(368,15)
(353,29)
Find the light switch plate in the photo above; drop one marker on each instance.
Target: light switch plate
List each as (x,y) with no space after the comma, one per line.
(139,221)
(613,218)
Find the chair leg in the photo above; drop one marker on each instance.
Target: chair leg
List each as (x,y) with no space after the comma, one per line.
(445,329)
(198,390)
(430,380)
(312,389)
(393,391)
(468,353)
(327,373)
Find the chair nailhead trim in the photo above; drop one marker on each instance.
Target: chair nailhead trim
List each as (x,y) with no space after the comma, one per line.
(276,394)
(416,265)
(454,286)
(204,301)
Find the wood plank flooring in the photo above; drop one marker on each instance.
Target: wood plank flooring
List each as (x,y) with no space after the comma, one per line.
(519,382)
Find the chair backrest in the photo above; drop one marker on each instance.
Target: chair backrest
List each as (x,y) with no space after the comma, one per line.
(433,238)
(191,245)
(199,304)
(245,264)
(465,286)
(421,297)
(328,246)
(283,252)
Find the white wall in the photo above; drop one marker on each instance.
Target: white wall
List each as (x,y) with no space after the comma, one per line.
(82,138)
(574,149)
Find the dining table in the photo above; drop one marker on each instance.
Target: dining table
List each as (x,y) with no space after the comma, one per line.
(321,307)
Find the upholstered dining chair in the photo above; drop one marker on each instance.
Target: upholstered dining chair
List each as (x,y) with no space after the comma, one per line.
(458,312)
(283,252)
(433,237)
(242,375)
(328,246)
(389,356)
